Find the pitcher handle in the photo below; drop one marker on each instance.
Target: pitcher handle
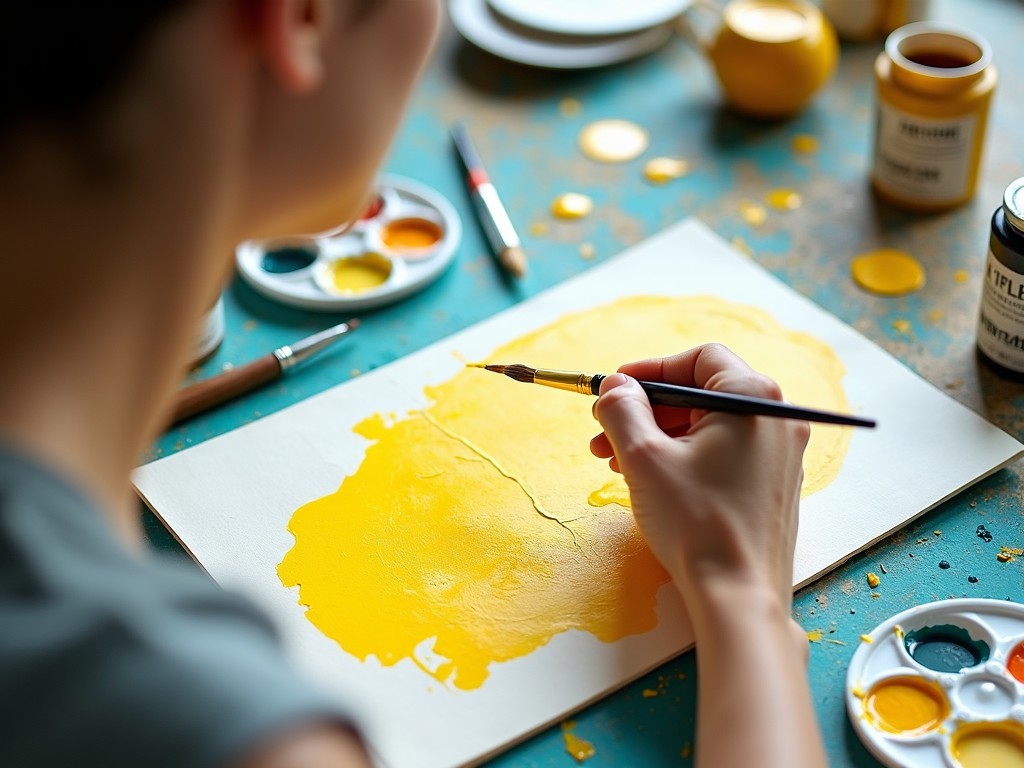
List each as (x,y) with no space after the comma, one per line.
(686,29)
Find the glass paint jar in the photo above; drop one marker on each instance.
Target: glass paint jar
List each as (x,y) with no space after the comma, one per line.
(209,335)
(1001,317)
(934,85)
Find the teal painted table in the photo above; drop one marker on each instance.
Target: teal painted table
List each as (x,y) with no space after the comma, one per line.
(528,142)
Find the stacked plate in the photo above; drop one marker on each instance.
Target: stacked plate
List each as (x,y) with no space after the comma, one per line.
(566,34)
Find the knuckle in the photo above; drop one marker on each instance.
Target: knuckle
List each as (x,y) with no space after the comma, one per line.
(759,385)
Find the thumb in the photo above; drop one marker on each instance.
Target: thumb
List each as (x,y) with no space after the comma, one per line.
(626,416)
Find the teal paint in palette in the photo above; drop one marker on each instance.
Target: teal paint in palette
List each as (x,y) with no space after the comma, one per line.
(939,686)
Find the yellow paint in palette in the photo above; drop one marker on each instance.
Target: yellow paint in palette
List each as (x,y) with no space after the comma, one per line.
(988,745)
(479,528)
(906,705)
(357,274)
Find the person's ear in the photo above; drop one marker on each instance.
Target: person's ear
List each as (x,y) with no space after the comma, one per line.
(293,33)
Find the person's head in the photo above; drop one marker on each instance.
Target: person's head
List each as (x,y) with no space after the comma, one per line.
(149,137)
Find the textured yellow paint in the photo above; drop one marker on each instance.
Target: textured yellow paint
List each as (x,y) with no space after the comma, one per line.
(479,528)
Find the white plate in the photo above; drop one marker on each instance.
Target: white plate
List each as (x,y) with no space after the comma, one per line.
(403,198)
(476,22)
(590,17)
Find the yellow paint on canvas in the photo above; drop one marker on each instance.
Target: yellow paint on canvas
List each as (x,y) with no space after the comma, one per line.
(479,528)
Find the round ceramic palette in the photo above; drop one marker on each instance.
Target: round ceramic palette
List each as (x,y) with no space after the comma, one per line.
(942,684)
(402,244)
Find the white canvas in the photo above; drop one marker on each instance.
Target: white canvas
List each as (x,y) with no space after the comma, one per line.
(229,500)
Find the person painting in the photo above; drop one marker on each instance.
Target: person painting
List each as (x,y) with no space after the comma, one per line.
(139,142)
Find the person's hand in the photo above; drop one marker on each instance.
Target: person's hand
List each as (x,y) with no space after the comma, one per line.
(714,495)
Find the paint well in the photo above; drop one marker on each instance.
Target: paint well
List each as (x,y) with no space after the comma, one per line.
(282,261)
(358,274)
(661,170)
(988,745)
(1015,660)
(907,705)
(613,141)
(945,648)
(467,536)
(571,205)
(888,272)
(989,697)
(412,235)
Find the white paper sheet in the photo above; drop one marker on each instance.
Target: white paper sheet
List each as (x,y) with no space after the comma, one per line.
(229,500)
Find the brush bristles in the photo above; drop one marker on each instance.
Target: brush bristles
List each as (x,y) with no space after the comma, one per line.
(520,372)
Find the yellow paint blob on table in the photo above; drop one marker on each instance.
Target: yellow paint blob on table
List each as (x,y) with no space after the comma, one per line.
(613,141)
(804,143)
(648,693)
(902,326)
(906,705)
(686,751)
(570,107)
(571,205)
(587,251)
(360,273)
(961,276)
(471,535)
(579,749)
(784,199)
(988,745)
(815,635)
(888,272)
(867,639)
(753,213)
(661,170)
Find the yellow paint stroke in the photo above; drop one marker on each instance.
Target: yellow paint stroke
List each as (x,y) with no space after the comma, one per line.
(661,170)
(613,141)
(784,199)
(479,528)
(888,272)
(579,749)
(572,205)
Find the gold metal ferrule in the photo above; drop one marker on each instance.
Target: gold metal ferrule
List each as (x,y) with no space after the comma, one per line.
(572,381)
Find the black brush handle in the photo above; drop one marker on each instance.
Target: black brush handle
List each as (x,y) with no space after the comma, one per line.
(689,397)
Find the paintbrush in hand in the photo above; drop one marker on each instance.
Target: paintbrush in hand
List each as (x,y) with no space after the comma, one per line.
(678,396)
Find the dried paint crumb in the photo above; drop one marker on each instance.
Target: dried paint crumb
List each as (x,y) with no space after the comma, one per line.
(853,611)
(741,245)
(755,215)
(1008,554)
(944,565)
(686,751)
(570,107)
(972,579)
(834,642)
(355,372)
(538,228)
(804,143)
(587,250)
(961,276)
(903,326)
(661,170)
(783,199)
(866,639)
(1002,557)
(982,532)
(815,635)
(649,693)
(898,631)
(873,580)
(937,533)
(572,205)
(881,567)
(875,595)
(579,749)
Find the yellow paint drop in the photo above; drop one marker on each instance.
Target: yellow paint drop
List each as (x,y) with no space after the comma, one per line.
(873,580)
(661,170)
(570,107)
(359,273)
(579,749)
(906,705)
(888,272)
(613,141)
(961,276)
(649,693)
(903,326)
(815,635)
(804,143)
(784,199)
(587,251)
(936,316)
(988,745)
(469,535)
(754,214)
(866,638)
(572,205)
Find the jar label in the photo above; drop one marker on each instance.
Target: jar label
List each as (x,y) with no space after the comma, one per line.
(921,159)
(1001,320)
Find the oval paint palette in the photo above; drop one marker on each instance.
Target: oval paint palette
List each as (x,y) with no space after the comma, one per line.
(942,684)
(404,241)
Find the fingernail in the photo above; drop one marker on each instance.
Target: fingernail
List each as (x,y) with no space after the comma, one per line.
(613,381)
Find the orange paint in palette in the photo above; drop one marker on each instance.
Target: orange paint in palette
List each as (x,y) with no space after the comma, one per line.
(411,237)
(943,684)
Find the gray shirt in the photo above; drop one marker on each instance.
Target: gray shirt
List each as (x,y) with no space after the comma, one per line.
(110,659)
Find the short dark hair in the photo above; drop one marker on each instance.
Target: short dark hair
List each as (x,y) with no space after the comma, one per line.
(59,59)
